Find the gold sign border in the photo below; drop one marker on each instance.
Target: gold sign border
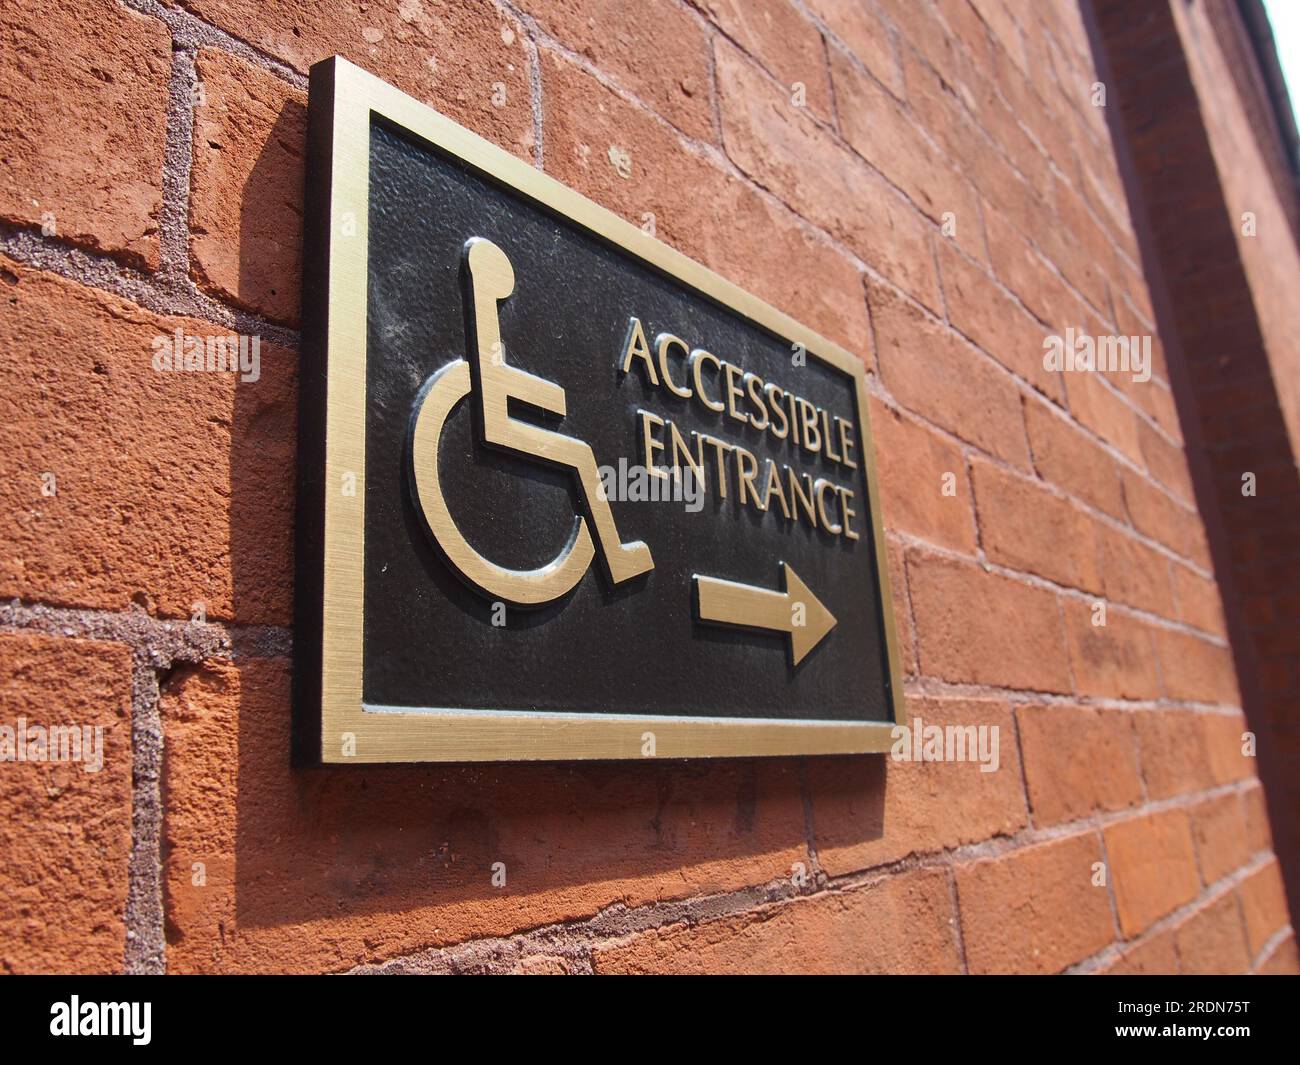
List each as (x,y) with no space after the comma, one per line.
(433,735)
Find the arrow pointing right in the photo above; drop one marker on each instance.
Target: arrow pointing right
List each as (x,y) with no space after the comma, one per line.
(728,603)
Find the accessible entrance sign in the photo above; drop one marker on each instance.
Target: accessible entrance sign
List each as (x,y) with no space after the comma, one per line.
(564,493)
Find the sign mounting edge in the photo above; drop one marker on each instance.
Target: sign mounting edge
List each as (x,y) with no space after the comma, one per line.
(327,681)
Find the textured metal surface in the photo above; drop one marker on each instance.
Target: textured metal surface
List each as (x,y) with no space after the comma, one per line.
(429,640)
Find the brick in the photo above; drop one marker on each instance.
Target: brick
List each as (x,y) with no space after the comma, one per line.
(1113,661)
(979,628)
(931,372)
(1199,604)
(786,43)
(1258,834)
(393,859)
(864,34)
(1156,514)
(171,488)
(84,126)
(1195,670)
(919,28)
(1096,406)
(968,35)
(1227,761)
(1025,273)
(872,811)
(709,215)
(658,49)
(1263,905)
(1078,246)
(902,605)
(1211,941)
(1025,527)
(1004,111)
(246,181)
(981,311)
(1219,828)
(1155,398)
(1035,102)
(1187,751)
(878,129)
(1078,761)
(454,58)
(1284,960)
(913,465)
(1152,867)
(1135,574)
(1173,749)
(940,104)
(1035,909)
(903,924)
(1167,463)
(1006,31)
(1156,955)
(781,147)
(1071,460)
(66,833)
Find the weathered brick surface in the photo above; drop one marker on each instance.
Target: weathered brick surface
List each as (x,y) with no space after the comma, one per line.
(982,628)
(323,870)
(923,484)
(169,489)
(985,314)
(1135,574)
(877,128)
(1024,527)
(1258,836)
(871,811)
(1212,941)
(466,60)
(1036,909)
(83,125)
(924,182)
(1152,865)
(765,248)
(1078,761)
(1222,843)
(782,148)
(902,607)
(939,376)
(1195,669)
(246,182)
(1154,513)
(1284,960)
(1155,955)
(1112,655)
(659,49)
(1066,456)
(1263,905)
(66,832)
(1098,407)
(1198,599)
(866,36)
(903,924)
(783,40)
(1184,751)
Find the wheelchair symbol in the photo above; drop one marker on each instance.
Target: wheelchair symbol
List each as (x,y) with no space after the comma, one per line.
(492,279)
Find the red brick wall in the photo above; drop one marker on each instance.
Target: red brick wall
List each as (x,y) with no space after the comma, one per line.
(171,165)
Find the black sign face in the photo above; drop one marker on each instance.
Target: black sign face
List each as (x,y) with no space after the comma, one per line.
(565,493)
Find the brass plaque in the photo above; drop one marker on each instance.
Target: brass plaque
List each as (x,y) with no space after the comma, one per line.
(564,493)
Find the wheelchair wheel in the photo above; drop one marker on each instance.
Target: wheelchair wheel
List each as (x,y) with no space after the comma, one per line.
(536,587)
